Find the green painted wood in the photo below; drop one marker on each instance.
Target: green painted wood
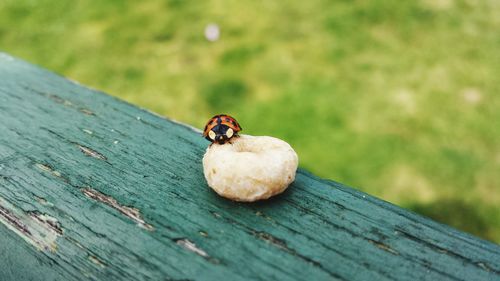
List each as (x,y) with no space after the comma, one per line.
(94,188)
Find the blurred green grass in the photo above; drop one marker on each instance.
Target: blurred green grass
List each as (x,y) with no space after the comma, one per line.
(397,98)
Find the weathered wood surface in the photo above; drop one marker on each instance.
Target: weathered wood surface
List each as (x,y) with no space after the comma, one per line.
(95,188)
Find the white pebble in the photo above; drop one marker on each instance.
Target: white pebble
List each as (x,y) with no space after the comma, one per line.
(250,168)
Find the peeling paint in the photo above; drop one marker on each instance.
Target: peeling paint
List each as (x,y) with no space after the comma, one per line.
(86,111)
(130,212)
(97,261)
(190,246)
(48,169)
(50,222)
(383,246)
(58,99)
(43,201)
(484,266)
(92,153)
(260,214)
(38,229)
(75,242)
(217,215)
(273,240)
(8,217)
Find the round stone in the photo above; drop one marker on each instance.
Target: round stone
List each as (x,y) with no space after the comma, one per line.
(250,168)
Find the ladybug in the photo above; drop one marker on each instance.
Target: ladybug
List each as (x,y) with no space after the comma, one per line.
(221,128)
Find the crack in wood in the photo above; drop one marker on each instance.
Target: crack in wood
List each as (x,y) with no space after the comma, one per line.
(49,221)
(85,149)
(88,131)
(435,247)
(60,100)
(130,212)
(57,99)
(485,266)
(43,201)
(91,152)
(86,111)
(47,168)
(7,216)
(281,244)
(191,246)
(95,260)
(354,234)
(278,243)
(272,240)
(333,249)
(383,246)
(36,228)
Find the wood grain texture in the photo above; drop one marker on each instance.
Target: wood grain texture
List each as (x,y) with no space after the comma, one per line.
(93,188)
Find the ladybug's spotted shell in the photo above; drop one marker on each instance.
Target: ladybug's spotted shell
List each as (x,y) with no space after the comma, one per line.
(219,124)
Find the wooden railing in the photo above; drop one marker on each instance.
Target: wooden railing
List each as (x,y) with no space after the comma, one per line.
(93,188)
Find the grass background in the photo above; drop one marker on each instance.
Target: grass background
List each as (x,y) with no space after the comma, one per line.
(397,98)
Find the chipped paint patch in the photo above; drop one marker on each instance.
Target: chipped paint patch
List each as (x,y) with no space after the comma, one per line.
(130,212)
(97,261)
(383,246)
(86,111)
(92,153)
(58,99)
(260,214)
(43,201)
(40,230)
(48,221)
(217,215)
(190,246)
(272,240)
(484,266)
(47,168)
